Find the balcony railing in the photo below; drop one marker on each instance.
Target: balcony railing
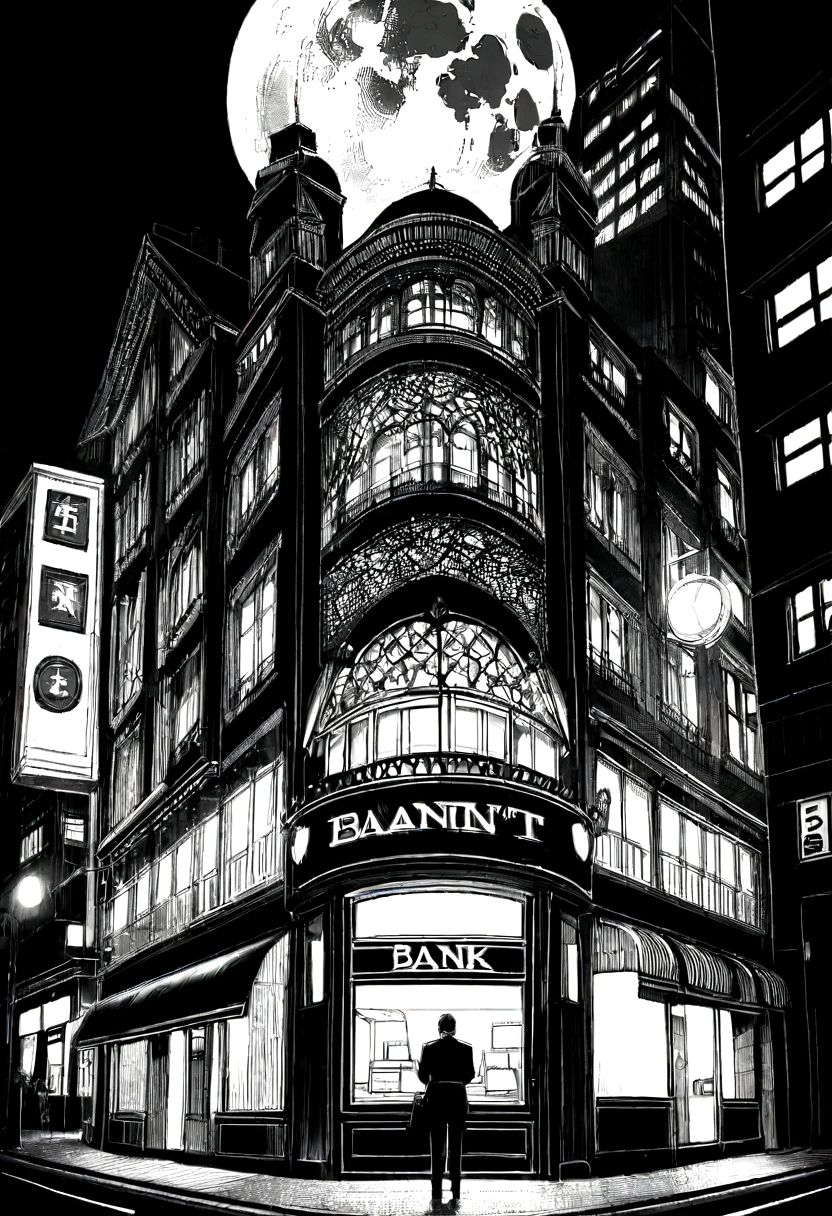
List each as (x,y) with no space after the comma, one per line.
(623,680)
(675,718)
(624,856)
(430,478)
(443,764)
(710,893)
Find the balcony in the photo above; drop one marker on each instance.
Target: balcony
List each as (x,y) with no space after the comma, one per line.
(614,673)
(438,764)
(432,478)
(674,717)
(710,893)
(626,857)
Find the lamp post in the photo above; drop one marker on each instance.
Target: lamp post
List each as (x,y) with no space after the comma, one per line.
(29,894)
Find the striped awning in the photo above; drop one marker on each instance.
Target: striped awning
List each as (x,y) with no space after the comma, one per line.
(627,948)
(773,990)
(668,967)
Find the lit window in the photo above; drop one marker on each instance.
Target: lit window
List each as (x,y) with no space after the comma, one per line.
(254,1046)
(605,160)
(718,399)
(132,518)
(612,640)
(381,322)
(646,85)
(73,829)
(728,496)
(127,639)
(139,413)
(626,165)
(569,985)
(741,720)
(627,218)
(681,703)
(605,183)
(130,1077)
(626,140)
(806,450)
(648,121)
(629,1036)
(651,199)
(253,629)
(606,209)
(350,339)
(185,452)
(605,234)
(179,712)
(802,304)
(255,473)
(811,617)
(649,173)
(251,821)
(31,843)
(625,845)
(610,496)
(595,131)
(183,587)
(127,777)
(649,144)
(704,866)
(681,558)
(627,193)
(739,598)
(797,162)
(682,439)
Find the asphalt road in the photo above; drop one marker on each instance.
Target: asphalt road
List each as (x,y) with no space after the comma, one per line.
(26,1187)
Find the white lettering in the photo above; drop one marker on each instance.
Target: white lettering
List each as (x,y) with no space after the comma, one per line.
(402,957)
(530,819)
(425,959)
(484,823)
(372,827)
(476,955)
(452,955)
(341,824)
(402,822)
(440,818)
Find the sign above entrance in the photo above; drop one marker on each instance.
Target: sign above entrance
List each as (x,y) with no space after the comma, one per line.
(461,959)
(429,820)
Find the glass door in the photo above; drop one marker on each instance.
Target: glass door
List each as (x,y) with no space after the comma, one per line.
(694,1073)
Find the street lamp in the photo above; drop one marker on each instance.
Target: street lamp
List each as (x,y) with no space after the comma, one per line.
(29,894)
(29,891)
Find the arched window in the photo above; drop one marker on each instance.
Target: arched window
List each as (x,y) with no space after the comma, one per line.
(381,321)
(462,313)
(492,321)
(427,688)
(424,304)
(386,461)
(464,458)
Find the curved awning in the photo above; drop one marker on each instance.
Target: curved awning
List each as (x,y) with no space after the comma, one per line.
(668,967)
(208,991)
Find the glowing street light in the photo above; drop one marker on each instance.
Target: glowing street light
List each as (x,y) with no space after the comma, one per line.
(29,891)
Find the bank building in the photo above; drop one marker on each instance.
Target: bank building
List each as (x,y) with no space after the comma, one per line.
(397,714)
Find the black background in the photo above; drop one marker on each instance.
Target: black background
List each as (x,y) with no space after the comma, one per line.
(117,121)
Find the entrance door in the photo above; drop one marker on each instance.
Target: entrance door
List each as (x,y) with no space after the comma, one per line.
(157,1094)
(694,1073)
(196,1095)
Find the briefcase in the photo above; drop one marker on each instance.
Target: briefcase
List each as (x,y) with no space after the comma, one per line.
(419,1114)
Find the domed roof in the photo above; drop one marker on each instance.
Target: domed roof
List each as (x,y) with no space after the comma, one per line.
(433,201)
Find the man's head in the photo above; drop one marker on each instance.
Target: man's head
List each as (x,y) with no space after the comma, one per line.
(447,1024)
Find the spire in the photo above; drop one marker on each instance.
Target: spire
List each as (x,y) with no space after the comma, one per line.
(297,101)
(432,181)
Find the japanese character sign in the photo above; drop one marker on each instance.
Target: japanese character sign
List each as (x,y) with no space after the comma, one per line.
(814,828)
(63,599)
(67,519)
(57,684)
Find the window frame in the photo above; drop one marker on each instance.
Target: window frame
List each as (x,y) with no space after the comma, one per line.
(604,852)
(820,610)
(795,168)
(782,460)
(686,431)
(255,454)
(700,869)
(742,713)
(252,585)
(127,638)
(628,671)
(183,466)
(816,303)
(609,490)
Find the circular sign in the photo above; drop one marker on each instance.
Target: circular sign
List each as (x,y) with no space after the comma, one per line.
(57,684)
(698,609)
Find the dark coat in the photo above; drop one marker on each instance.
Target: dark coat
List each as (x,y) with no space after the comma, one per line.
(446,1059)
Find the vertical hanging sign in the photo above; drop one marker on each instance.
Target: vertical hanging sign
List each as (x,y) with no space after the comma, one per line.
(56,719)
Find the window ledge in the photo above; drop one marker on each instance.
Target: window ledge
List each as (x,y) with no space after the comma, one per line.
(128,558)
(184,490)
(631,564)
(236,541)
(234,711)
(743,771)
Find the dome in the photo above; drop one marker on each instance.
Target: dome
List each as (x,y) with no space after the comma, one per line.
(433,202)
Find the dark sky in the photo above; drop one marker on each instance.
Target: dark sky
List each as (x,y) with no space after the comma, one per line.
(120,123)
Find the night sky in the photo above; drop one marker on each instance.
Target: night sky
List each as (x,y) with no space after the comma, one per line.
(120,122)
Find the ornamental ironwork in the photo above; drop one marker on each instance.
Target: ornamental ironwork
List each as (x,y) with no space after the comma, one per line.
(432,428)
(421,547)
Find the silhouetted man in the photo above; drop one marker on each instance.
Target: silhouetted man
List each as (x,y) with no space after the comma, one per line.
(446,1067)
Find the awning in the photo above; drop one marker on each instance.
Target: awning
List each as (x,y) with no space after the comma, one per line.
(207,991)
(626,948)
(668,967)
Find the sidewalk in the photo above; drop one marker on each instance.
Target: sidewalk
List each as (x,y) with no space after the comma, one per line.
(407,1197)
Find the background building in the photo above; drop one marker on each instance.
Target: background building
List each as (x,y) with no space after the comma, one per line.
(779,258)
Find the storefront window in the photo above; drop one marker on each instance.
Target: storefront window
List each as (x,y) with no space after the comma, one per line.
(129,1076)
(630,1048)
(86,1063)
(694,1060)
(55,1062)
(736,1036)
(255,1045)
(413,944)
(28,1049)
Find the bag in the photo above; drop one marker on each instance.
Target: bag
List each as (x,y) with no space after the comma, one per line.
(419,1114)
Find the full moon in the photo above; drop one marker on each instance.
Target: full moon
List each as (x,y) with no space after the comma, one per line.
(393,88)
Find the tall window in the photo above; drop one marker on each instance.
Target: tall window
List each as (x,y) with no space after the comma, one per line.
(681,439)
(801,304)
(681,703)
(801,159)
(426,688)
(611,500)
(625,846)
(182,587)
(251,824)
(128,1084)
(255,1045)
(612,640)
(126,661)
(181,349)
(138,414)
(31,843)
(718,400)
(127,776)
(739,598)
(255,475)
(740,720)
(186,450)
(706,867)
(806,450)
(728,497)
(737,1032)
(132,517)
(605,369)
(811,617)
(252,630)
(681,557)
(179,713)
